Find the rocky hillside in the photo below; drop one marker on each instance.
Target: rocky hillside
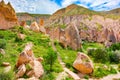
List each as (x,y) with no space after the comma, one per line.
(115,11)
(93,26)
(8,17)
(32,17)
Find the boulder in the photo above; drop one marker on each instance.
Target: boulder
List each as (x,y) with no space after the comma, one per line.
(37,69)
(21,36)
(23,59)
(2,51)
(34,26)
(8,17)
(21,71)
(83,64)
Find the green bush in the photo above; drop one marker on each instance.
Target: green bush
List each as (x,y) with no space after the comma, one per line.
(50,58)
(115,56)
(101,71)
(2,43)
(99,55)
(114,47)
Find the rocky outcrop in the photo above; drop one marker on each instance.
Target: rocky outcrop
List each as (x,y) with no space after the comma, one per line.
(67,37)
(34,26)
(72,37)
(27,58)
(83,64)
(8,17)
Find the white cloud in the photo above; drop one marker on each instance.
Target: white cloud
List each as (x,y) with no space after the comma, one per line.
(67,2)
(49,6)
(34,6)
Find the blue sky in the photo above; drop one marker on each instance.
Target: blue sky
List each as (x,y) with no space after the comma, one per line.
(50,6)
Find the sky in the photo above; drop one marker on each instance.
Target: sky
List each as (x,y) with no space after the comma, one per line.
(50,6)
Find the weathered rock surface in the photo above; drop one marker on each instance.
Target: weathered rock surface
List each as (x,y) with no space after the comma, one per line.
(27,58)
(83,64)
(8,17)
(37,69)
(34,26)
(21,36)
(21,71)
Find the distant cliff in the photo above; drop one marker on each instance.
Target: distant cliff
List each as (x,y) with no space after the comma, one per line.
(8,17)
(27,17)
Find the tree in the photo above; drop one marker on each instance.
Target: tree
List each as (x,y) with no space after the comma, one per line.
(50,58)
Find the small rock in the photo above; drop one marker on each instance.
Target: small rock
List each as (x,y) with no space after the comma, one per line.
(7,69)
(6,64)
(2,51)
(21,36)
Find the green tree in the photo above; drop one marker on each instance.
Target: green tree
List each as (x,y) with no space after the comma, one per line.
(50,58)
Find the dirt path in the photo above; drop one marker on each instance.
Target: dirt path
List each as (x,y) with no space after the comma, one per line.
(70,73)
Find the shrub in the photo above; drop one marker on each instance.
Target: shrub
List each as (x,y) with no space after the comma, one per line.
(99,55)
(50,58)
(2,43)
(114,47)
(115,56)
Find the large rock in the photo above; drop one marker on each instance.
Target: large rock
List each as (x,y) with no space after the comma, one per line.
(72,37)
(21,71)
(37,69)
(83,64)
(34,26)
(26,55)
(8,17)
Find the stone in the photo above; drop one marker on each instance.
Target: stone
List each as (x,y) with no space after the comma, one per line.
(8,17)
(37,69)
(23,59)
(21,36)
(6,64)
(23,23)
(63,42)
(83,64)
(21,71)
(34,26)
(7,69)
(2,51)
(42,29)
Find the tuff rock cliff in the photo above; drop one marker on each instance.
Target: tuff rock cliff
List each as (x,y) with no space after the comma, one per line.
(8,17)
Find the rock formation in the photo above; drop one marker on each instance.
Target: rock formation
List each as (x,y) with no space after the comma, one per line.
(27,58)
(8,17)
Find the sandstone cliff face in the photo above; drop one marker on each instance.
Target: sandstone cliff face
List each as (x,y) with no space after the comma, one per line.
(8,17)
(92,26)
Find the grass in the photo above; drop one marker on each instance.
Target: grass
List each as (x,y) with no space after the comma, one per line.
(14,46)
(68,56)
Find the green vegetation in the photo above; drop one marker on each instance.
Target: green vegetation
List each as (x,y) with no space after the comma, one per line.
(50,58)
(14,46)
(99,55)
(102,70)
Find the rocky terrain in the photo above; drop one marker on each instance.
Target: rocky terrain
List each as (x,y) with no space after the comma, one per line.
(74,43)
(8,17)
(89,23)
